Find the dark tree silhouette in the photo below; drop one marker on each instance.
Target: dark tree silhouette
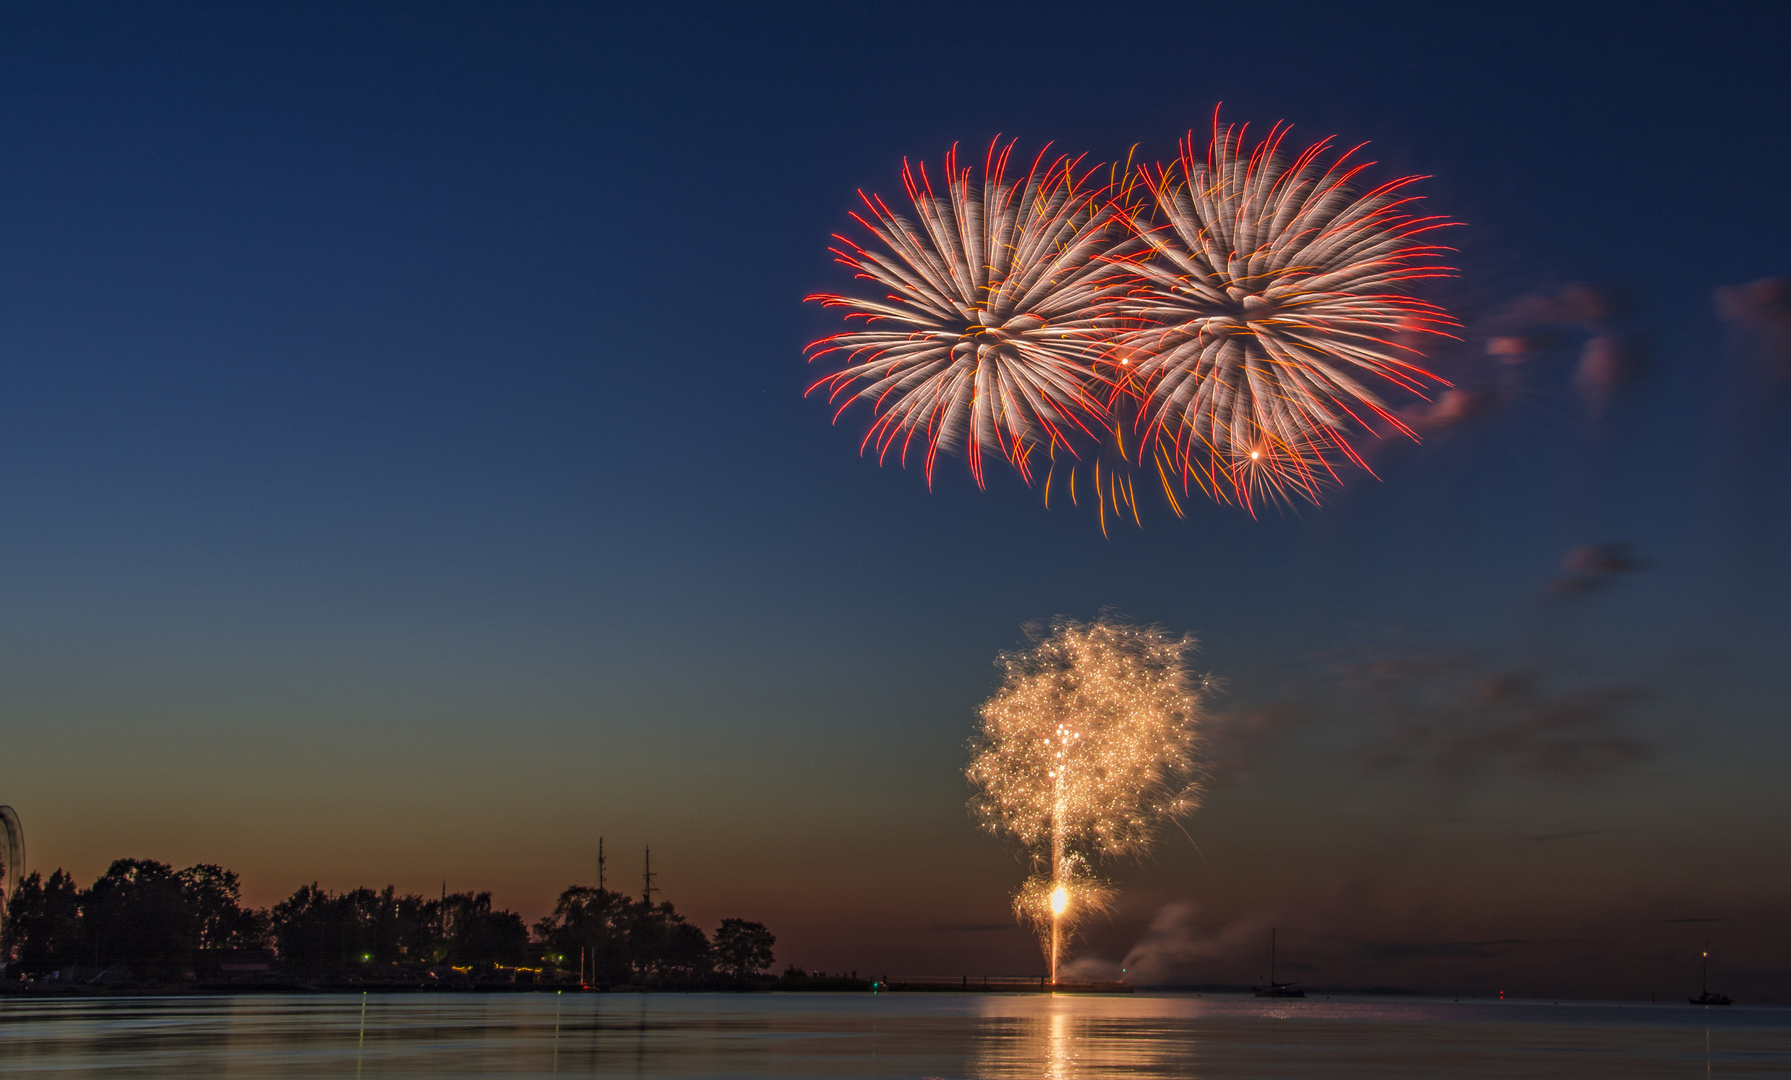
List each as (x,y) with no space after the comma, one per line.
(138,914)
(319,930)
(213,899)
(475,934)
(590,930)
(743,948)
(616,939)
(43,924)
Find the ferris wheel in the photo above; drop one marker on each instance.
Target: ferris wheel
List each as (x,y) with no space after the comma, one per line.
(12,857)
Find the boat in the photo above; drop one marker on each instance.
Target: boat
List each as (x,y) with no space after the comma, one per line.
(1277,989)
(1705,997)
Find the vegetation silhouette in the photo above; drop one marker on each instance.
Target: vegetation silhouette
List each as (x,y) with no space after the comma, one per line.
(143,922)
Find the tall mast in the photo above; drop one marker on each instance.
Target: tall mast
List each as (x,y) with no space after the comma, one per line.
(647,889)
(600,864)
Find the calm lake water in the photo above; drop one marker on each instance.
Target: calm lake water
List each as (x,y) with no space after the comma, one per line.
(889,1035)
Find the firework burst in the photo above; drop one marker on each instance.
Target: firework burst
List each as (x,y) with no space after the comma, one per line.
(1226,322)
(1084,752)
(997,302)
(1271,303)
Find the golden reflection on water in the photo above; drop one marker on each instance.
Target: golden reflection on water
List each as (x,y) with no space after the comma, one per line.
(1060,1048)
(1069,1037)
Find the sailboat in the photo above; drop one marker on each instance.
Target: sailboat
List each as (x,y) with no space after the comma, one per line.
(1705,997)
(1281,989)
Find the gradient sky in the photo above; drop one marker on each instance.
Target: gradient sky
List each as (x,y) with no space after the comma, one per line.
(405,477)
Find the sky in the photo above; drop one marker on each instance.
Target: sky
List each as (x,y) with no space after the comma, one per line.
(406,477)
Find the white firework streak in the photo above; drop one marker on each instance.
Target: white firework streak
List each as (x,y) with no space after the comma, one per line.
(1271,291)
(998,308)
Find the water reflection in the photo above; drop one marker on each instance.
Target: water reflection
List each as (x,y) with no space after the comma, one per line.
(921,1036)
(1063,1037)
(1060,1050)
(1070,1038)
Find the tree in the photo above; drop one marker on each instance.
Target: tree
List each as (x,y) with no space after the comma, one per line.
(617,939)
(320,930)
(214,900)
(591,929)
(305,928)
(314,928)
(43,924)
(743,948)
(138,914)
(141,913)
(663,944)
(475,934)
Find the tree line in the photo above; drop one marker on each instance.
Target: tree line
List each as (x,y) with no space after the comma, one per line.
(166,924)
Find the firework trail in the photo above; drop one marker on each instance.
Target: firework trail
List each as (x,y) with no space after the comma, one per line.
(1271,301)
(996,304)
(1083,753)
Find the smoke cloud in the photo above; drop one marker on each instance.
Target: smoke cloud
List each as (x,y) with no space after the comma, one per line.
(1176,948)
(1594,567)
(1448,714)
(1760,314)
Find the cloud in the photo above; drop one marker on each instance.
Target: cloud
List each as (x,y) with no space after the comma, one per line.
(1760,314)
(1450,716)
(1388,706)
(1607,364)
(1503,723)
(1611,558)
(1533,323)
(1451,408)
(1593,567)
(1516,348)
(1610,357)
(1236,740)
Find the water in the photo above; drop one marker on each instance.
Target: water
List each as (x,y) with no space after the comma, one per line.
(890,1035)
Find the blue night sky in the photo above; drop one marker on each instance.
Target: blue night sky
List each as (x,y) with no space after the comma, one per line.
(405,476)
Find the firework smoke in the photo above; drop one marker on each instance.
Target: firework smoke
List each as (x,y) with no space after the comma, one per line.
(1085,751)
